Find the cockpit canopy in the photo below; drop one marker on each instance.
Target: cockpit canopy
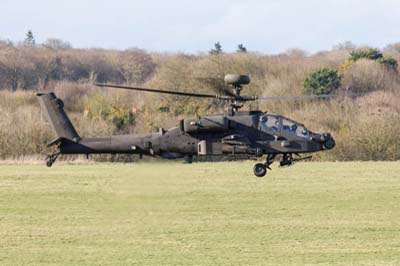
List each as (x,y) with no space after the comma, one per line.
(278,124)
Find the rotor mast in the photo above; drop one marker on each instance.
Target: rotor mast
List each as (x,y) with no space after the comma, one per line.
(237,82)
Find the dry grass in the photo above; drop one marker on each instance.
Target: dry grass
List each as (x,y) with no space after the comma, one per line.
(366,75)
(24,131)
(357,125)
(365,128)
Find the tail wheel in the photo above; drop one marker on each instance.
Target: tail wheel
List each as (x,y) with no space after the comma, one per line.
(260,170)
(51,159)
(49,163)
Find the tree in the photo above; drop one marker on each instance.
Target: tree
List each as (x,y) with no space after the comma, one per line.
(349,46)
(241,49)
(57,44)
(134,65)
(217,49)
(18,69)
(322,81)
(54,68)
(393,48)
(29,39)
(296,52)
(5,43)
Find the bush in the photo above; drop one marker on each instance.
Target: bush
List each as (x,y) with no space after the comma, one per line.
(100,107)
(366,76)
(389,62)
(373,54)
(322,81)
(22,132)
(372,137)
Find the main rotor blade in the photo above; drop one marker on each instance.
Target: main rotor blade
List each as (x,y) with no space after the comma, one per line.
(217,85)
(301,97)
(199,95)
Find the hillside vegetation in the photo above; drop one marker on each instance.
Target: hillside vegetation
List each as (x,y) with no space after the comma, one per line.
(365,128)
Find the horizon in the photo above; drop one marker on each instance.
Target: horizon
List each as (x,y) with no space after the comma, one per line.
(338,46)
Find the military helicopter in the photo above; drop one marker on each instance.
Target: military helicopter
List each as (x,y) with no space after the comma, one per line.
(236,134)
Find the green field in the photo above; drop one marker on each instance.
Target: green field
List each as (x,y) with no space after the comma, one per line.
(200,214)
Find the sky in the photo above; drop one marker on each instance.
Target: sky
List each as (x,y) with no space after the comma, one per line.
(265,26)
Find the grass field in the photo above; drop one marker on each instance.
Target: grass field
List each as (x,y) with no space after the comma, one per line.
(200,214)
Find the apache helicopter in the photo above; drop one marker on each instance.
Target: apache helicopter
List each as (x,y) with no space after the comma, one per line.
(236,134)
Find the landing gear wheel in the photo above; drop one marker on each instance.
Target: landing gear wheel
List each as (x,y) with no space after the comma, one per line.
(260,170)
(51,159)
(49,163)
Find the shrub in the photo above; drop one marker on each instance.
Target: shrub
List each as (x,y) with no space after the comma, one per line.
(366,76)
(73,94)
(22,131)
(389,62)
(370,137)
(322,81)
(373,54)
(100,107)
(121,117)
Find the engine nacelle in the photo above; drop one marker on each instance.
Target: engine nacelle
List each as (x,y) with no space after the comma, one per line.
(205,124)
(218,148)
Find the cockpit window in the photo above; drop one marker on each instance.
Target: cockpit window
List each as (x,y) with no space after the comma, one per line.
(276,123)
(270,122)
(294,128)
(289,126)
(302,132)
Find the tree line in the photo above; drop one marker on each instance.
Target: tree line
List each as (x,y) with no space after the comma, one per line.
(366,128)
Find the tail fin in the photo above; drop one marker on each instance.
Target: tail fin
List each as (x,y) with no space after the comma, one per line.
(54,109)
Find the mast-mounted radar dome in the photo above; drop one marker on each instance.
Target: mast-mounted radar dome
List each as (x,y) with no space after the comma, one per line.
(237,80)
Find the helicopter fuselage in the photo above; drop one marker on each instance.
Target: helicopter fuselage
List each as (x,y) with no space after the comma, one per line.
(235,134)
(242,134)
